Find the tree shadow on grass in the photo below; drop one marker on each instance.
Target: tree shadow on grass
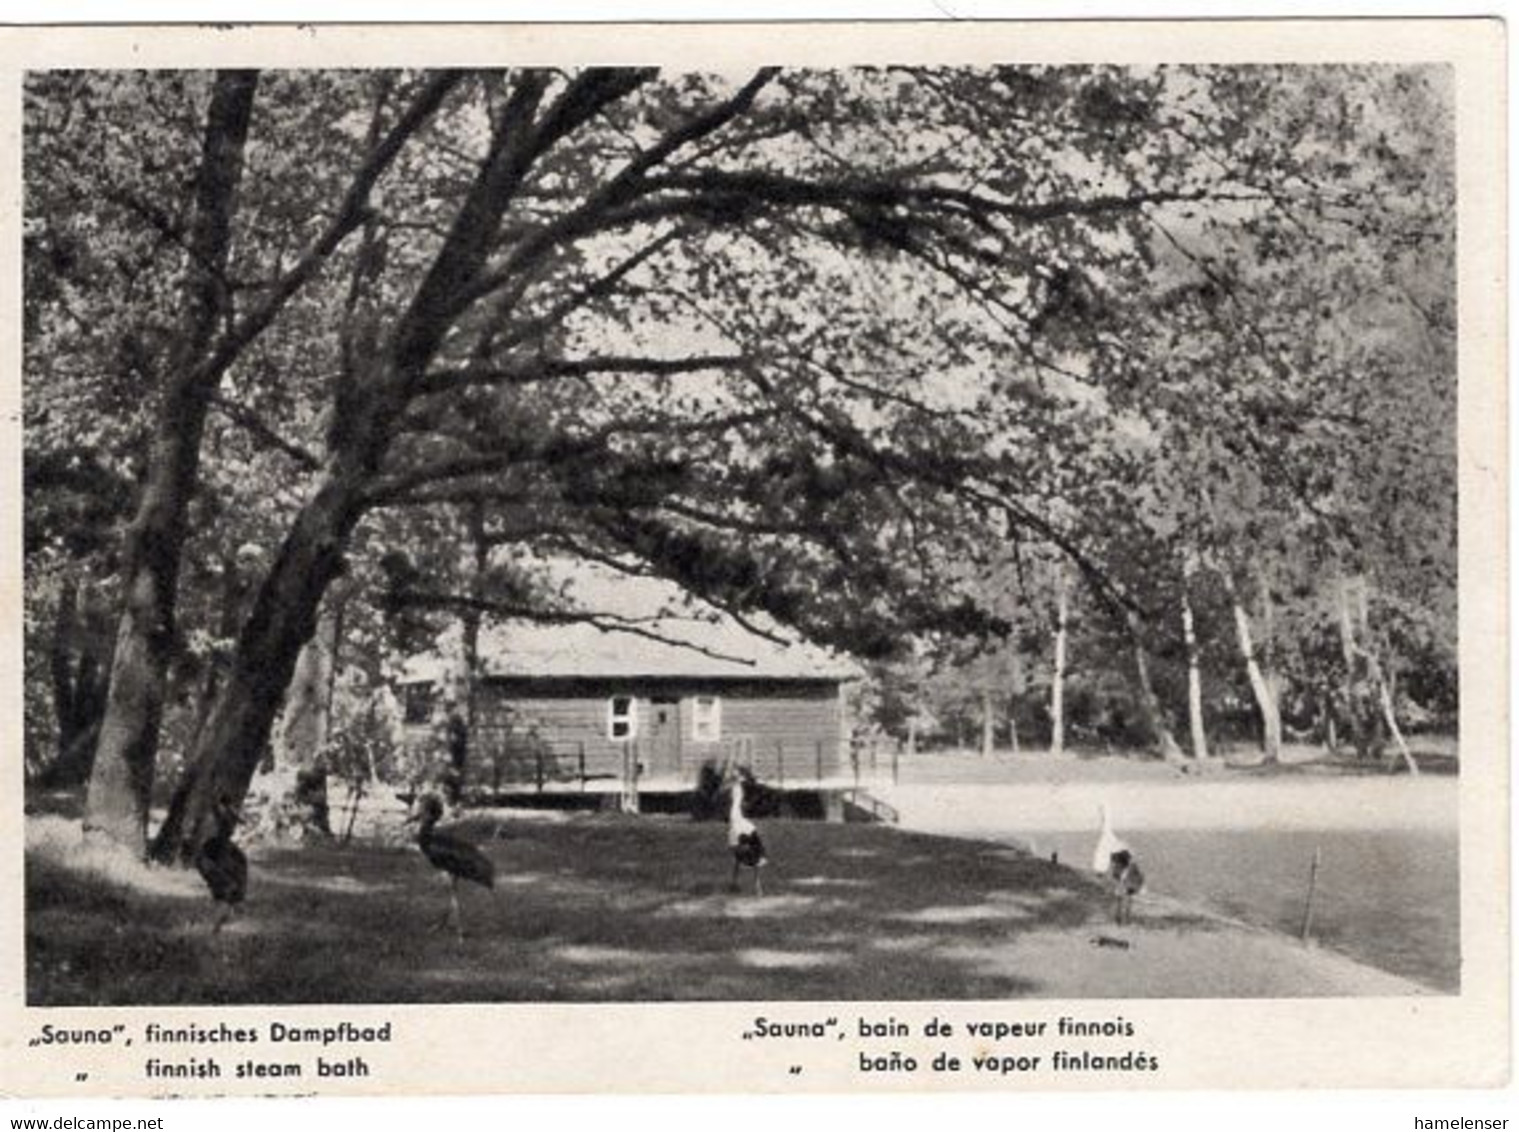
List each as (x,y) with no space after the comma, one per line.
(597,908)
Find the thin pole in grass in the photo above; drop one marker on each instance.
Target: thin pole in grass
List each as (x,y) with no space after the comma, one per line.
(1313,879)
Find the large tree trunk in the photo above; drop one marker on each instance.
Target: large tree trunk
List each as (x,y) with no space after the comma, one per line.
(1057,677)
(232,609)
(122,779)
(79,690)
(285,611)
(1260,687)
(283,620)
(195,363)
(1194,667)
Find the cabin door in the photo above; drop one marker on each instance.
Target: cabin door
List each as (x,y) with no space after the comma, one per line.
(663,755)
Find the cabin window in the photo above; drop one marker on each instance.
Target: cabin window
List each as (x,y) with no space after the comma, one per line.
(622,717)
(706,719)
(419,700)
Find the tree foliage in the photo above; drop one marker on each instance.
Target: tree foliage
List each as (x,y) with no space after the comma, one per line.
(824,348)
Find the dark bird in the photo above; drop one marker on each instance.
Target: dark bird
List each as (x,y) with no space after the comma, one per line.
(743,836)
(452,855)
(222,863)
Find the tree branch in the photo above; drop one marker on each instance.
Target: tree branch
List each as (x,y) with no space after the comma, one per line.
(547,369)
(350,215)
(627,184)
(881,195)
(555,450)
(604,622)
(597,288)
(250,422)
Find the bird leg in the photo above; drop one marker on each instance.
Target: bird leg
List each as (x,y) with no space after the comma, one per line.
(759,888)
(221,921)
(453,900)
(733,884)
(442,921)
(1123,905)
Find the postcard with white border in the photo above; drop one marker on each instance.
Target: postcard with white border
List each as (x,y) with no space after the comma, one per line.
(754,557)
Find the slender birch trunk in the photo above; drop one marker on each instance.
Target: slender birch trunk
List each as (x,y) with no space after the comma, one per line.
(1265,701)
(1057,679)
(1194,664)
(1380,681)
(1013,697)
(1266,650)
(1351,653)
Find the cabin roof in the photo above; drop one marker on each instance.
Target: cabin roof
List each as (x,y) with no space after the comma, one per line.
(703,651)
(662,637)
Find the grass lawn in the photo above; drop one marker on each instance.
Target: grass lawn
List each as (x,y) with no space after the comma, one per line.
(599,907)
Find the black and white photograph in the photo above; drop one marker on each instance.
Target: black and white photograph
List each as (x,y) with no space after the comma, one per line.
(931,529)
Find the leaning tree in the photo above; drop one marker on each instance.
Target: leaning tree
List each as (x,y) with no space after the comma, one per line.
(795,340)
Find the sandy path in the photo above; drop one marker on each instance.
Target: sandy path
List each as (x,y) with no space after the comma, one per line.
(1002,810)
(1233,961)
(1035,796)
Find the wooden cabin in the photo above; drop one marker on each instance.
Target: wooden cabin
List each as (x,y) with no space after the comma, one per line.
(580,708)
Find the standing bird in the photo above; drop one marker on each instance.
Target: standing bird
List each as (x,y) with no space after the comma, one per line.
(743,836)
(1128,881)
(222,863)
(1108,843)
(451,854)
(1115,860)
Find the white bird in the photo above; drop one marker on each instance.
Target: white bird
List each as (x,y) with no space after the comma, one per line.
(1115,860)
(1108,843)
(743,836)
